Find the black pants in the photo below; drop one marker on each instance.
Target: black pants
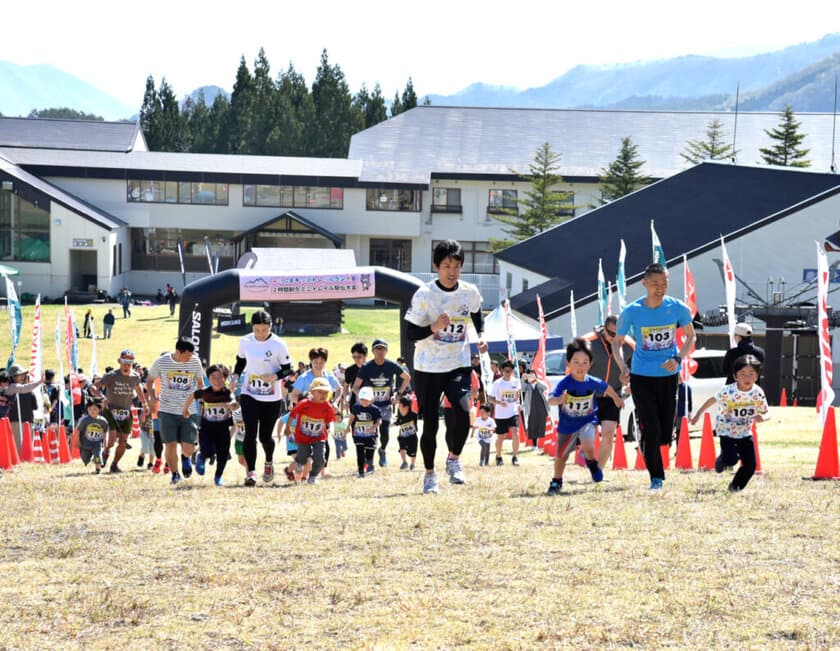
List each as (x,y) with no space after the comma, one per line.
(215,441)
(259,418)
(733,449)
(655,399)
(384,437)
(484,457)
(158,446)
(364,453)
(455,385)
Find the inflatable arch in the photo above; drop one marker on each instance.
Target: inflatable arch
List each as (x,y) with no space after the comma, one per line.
(199,298)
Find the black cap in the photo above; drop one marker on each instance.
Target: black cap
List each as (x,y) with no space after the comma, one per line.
(377,343)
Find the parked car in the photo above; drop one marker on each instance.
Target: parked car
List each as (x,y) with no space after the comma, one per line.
(706,382)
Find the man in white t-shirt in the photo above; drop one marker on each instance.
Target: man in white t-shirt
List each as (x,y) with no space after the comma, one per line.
(440,313)
(504,396)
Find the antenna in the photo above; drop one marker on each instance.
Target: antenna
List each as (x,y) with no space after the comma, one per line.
(735,127)
(833,167)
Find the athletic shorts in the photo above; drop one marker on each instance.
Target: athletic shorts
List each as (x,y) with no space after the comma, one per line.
(119,419)
(504,425)
(607,410)
(174,428)
(566,443)
(239,448)
(409,444)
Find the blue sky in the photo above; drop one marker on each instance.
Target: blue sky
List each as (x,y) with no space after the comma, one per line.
(444,46)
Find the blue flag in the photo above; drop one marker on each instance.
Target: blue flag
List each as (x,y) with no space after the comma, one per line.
(15,319)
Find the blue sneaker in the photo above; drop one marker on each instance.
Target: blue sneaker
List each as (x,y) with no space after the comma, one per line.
(175,478)
(186,466)
(199,464)
(595,471)
(218,481)
(555,487)
(656,484)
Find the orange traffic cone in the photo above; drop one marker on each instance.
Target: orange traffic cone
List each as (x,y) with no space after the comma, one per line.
(6,442)
(63,448)
(665,451)
(640,461)
(550,445)
(619,453)
(795,401)
(684,460)
(37,449)
(783,398)
(14,459)
(53,439)
(706,461)
(45,445)
(828,466)
(74,447)
(26,446)
(135,424)
(755,444)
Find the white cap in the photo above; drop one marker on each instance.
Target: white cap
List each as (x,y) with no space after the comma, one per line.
(366,393)
(743,329)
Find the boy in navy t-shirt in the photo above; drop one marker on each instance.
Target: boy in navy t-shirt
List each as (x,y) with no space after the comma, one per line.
(576,394)
(364,422)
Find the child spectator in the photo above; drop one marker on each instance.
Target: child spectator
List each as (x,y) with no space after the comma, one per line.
(314,416)
(739,405)
(217,404)
(340,435)
(484,427)
(364,421)
(93,429)
(407,422)
(576,394)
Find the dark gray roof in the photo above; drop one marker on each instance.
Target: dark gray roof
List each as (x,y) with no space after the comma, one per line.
(179,162)
(291,214)
(691,211)
(70,134)
(62,197)
(493,141)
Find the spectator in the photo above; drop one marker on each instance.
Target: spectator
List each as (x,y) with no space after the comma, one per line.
(108,323)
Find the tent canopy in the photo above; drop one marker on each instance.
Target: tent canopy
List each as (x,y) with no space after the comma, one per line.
(527,337)
(8,271)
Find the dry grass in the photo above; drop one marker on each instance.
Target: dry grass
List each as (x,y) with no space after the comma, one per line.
(128,562)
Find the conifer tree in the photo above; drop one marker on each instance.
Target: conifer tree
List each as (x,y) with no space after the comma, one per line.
(335,118)
(239,113)
(622,176)
(712,148)
(787,150)
(150,116)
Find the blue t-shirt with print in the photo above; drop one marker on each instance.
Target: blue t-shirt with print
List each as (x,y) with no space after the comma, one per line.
(655,333)
(579,406)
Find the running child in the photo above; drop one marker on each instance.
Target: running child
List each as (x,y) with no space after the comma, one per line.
(407,422)
(237,433)
(93,430)
(364,421)
(217,405)
(504,394)
(576,394)
(484,427)
(314,416)
(147,440)
(740,404)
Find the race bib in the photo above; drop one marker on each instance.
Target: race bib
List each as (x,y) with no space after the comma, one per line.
(215,412)
(744,411)
(456,331)
(365,429)
(509,396)
(577,406)
(381,394)
(408,429)
(311,427)
(658,337)
(94,432)
(485,434)
(180,380)
(259,387)
(121,414)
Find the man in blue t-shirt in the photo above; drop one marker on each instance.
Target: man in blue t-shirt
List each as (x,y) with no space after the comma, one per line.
(653,321)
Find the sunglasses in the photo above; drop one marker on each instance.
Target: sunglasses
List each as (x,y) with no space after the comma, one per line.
(611,333)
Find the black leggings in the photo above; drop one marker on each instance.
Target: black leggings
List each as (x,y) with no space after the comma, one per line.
(259,417)
(744,449)
(655,399)
(364,455)
(158,446)
(455,385)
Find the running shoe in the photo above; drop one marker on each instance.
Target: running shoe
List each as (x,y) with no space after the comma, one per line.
(404,465)
(156,467)
(313,479)
(383,460)
(251,479)
(186,466)
(218,481)
(500,461)
(115,469)
(411,467)
(140,460)
(430,484)
(555,487)
(448,465)
(166,470)
(514,461)
(290,474)
(733,488)
(199,464)
(719,465)
(457,475)
(595,471)
(268,473)
(149,465)
(656,484)
(175,478)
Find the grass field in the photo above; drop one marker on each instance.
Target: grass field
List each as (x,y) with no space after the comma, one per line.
(126,561)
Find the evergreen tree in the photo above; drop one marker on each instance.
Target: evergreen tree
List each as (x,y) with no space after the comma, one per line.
(217,121)
(712,148)
(396,105)
(239,114)
(197,115)
(173,131)
(150,117)
(294,110)
(262,110)
(371,106)
(622,176)
(542,206)
(787,151)
(409,98)
(335,118)
(64,113)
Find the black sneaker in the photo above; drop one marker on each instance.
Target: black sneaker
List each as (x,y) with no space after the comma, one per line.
(514,461)
(719,467)
(500,461)
(115,469)
(555,487)
(140,461)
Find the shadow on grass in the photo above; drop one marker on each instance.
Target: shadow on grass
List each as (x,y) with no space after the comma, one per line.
(575,488)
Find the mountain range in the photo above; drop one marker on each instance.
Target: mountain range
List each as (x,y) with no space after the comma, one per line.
(802,75)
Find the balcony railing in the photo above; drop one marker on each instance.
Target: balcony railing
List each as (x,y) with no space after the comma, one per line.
(445,208)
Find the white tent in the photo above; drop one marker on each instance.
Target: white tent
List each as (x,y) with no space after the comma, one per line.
(526,336)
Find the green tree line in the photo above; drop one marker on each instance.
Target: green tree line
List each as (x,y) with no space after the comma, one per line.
(281,116)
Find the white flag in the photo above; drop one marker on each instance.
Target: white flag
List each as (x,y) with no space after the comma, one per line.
(621,282)
(729,284)
(572,315)
(826,396)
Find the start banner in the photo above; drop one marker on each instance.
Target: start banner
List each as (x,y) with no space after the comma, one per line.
(307,286)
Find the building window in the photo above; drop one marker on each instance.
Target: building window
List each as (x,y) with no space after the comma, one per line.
(208,194)
(501,201)
(288,196)
(24,229)
(524,284)
(156,249)
(478,259)
(508,281)
(391,199)
(394,254)
(119,256)
(446,200)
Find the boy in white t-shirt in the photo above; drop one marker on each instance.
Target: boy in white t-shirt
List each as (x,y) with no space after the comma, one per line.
(484,427)
(504,394)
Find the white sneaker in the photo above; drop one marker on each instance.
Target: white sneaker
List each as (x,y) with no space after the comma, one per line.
(456,474)
(430,484)
(449,461)
(268,473)
(313,479)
